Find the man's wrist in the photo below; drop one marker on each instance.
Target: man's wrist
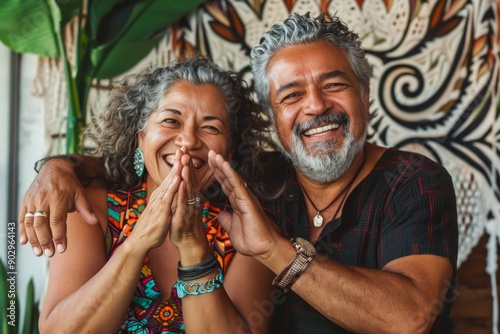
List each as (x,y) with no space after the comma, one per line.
(73,161)
(74,164)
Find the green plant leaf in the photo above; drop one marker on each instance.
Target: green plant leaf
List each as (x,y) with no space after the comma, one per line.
(127,31)
(5,299)
(28,25)
(69,8)
(113,63)
(30,318)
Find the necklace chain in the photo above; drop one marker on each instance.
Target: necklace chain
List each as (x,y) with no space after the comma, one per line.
(318,219)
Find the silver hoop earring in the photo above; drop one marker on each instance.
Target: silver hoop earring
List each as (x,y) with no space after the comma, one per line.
(139,162)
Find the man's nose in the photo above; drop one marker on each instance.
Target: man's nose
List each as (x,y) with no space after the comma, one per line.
(316,103)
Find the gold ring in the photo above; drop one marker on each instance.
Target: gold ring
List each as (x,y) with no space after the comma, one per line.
(29,214)
(40,214)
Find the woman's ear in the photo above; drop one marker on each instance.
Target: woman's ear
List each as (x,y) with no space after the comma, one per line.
(140,140)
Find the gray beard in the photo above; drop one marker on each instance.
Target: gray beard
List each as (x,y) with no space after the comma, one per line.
(318,165)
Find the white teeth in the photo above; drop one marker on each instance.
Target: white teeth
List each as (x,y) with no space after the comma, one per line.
(321,129)
(197,164)
(170,159)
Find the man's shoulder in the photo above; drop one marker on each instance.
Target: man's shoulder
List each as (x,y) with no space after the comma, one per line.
(410,165)
(395,156)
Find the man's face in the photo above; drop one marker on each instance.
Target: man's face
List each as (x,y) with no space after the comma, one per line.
(320,115)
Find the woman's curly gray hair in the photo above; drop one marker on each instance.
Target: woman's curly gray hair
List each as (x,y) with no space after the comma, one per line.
(299,30)
(112,134)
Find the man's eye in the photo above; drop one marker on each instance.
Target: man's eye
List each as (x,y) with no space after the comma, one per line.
(336,85)
(291,96)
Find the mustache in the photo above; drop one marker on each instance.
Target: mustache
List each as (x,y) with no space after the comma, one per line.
(320,120)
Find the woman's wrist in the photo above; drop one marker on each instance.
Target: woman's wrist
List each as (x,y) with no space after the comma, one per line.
(198,270)
(190,254)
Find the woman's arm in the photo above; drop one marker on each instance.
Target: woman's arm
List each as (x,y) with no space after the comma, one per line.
(85,293)
(237,305)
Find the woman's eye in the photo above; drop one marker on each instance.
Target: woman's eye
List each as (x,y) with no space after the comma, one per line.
(211,129)
(170,121)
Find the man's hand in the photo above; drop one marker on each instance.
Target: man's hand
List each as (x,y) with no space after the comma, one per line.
(54,193)
(249,229)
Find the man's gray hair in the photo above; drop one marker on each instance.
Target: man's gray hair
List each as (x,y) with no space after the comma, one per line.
(299,30)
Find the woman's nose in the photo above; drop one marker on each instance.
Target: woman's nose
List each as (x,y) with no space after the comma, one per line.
(188,137)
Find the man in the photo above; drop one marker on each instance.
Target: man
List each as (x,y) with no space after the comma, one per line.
(373,230)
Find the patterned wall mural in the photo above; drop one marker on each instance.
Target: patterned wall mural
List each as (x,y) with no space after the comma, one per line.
(435,88)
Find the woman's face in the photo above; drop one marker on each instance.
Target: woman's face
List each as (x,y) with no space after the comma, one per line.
(191,116)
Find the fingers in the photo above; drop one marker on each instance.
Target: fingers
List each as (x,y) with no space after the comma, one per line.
(37,231)
(84,208)
(23,239)
(225,175)
(57,223)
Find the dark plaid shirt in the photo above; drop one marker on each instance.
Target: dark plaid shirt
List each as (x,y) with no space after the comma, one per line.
(405,206)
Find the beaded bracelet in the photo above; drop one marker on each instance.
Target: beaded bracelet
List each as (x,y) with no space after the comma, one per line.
(196,271)
(183,288)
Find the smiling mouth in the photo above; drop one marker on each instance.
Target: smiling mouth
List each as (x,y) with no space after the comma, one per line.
(321,129)
(170,159)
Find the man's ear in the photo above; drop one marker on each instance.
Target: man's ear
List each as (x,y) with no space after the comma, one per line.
(366,97)
(366,102)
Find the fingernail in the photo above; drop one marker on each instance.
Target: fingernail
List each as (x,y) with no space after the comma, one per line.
(60,248)
(48,252)
(37,251)
(21,239)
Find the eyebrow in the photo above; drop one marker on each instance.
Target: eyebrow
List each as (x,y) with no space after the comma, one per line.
(323,76)
(179,113)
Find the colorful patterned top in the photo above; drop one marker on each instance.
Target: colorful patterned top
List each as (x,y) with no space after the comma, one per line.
(149,312)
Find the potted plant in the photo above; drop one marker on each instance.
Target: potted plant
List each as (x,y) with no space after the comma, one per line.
(112,36)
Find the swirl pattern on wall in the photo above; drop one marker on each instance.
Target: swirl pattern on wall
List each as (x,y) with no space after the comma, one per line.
(435,88)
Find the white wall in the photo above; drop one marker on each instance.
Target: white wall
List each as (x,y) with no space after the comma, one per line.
(4,144)
(32,146)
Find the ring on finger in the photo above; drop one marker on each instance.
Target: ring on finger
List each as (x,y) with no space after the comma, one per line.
(195,201)
(29,214)
(40,214)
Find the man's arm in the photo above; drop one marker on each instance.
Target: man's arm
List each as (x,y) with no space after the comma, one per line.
(56,191)
(400,297)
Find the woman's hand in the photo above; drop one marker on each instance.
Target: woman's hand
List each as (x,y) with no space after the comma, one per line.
(154,223)
(187,232)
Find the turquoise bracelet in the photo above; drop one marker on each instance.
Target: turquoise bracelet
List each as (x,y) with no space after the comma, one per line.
(183,288)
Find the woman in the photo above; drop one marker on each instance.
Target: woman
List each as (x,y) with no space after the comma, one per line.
(158,241)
